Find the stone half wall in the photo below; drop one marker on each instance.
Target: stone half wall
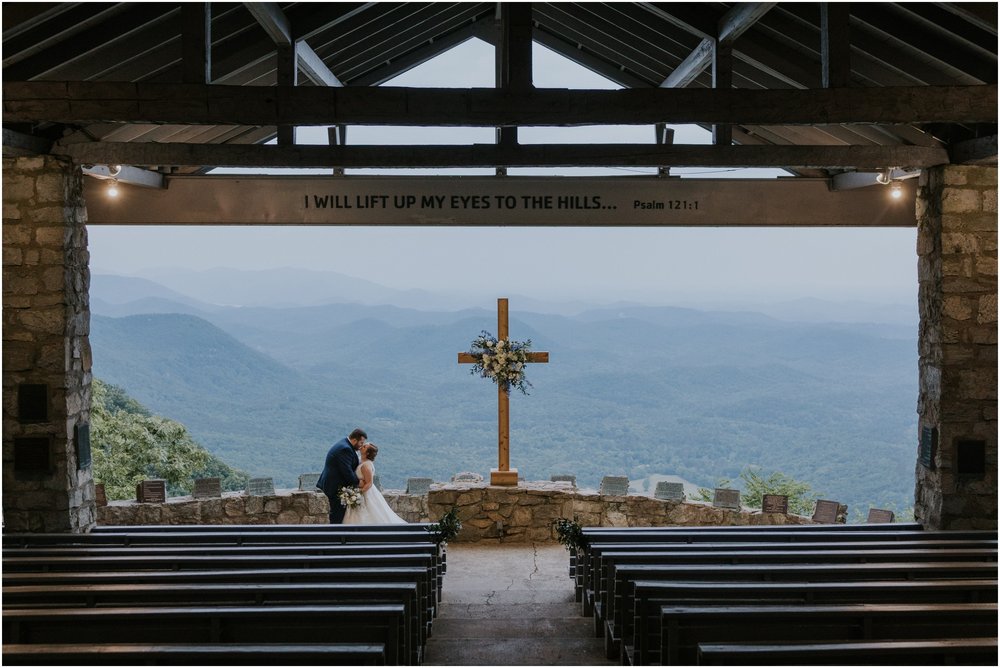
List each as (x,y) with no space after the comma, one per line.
(489,514)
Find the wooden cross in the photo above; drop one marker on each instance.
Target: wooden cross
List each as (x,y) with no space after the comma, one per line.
(504,474)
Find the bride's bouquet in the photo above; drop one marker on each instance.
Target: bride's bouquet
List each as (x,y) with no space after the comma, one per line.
(350,497)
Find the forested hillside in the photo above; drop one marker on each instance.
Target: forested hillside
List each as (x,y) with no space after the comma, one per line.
(132,444)
(638,391)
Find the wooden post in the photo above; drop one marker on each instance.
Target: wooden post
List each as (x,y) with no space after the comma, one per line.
(503,475)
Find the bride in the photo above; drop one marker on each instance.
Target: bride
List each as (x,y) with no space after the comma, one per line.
(373,508)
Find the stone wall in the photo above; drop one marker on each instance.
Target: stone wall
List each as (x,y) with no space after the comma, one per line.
(957,406)
(46,350)
(489,514)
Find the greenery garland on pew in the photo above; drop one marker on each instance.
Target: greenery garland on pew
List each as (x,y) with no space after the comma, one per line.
(447,527)
(569,533)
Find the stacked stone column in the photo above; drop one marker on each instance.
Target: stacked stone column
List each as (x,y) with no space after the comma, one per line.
(46,349)
(956,482)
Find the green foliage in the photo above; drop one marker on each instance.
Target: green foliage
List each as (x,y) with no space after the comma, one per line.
(569,533)
(130,445)
(447,527)
(801,500)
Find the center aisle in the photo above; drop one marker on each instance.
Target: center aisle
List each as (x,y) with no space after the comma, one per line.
(511,605)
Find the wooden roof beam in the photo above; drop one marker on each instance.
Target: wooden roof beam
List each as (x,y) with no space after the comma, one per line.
(99,102)
(493,155)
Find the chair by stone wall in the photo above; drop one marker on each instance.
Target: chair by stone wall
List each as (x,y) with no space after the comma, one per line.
(614,485)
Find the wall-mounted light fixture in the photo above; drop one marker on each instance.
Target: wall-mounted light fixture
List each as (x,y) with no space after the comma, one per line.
(896,190)
(884,177)
(113,188)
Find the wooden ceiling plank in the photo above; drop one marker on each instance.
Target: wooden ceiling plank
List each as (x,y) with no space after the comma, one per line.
(44,28)
(137,17)
(925,44)
(590,60)
(388,71)
(395,39)
(622,51)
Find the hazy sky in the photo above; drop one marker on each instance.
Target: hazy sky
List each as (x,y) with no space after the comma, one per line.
(728,264)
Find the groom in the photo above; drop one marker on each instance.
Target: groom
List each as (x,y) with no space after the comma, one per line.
(338,471)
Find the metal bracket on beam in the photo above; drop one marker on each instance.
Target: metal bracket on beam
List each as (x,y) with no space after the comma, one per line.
(336,135)
(664,137)
(854,180)
(133,176)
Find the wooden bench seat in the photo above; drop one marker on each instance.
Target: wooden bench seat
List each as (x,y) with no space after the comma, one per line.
(299,576)
(714,535)
(417,527)
(683,628)
(612,613)
(236,594)
(650,596)
(620,594)
(596,551)
(244,537)
(962,651)
(372,623)
(160,654)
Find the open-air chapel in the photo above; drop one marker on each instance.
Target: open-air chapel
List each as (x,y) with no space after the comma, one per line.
(881,114)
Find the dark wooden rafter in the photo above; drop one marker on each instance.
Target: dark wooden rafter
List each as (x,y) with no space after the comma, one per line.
(835,44)
(734,23)
(96,102)
(492,155)
(197,42)
(278,26)
(513,58)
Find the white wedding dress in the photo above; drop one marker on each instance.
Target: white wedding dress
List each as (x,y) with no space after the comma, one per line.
(373,509)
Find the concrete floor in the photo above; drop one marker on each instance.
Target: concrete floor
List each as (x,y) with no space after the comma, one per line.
(511,605)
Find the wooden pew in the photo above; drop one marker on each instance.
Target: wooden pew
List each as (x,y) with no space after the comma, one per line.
(253,536)
(416,527)
(683,628)
(650,596)
(203,538)
(596,551)
(778,534)
(372,623)
(175,654)
(610,613)
(963,651)
(237,594)
(722,574)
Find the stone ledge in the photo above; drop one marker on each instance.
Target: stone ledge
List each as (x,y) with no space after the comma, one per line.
(489,514)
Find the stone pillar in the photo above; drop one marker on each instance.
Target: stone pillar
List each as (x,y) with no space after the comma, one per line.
(47,480)
(956,477)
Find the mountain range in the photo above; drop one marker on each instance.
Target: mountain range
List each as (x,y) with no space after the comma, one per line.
(644,391)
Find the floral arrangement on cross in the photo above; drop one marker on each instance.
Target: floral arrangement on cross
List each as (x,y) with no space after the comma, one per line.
(501,360)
